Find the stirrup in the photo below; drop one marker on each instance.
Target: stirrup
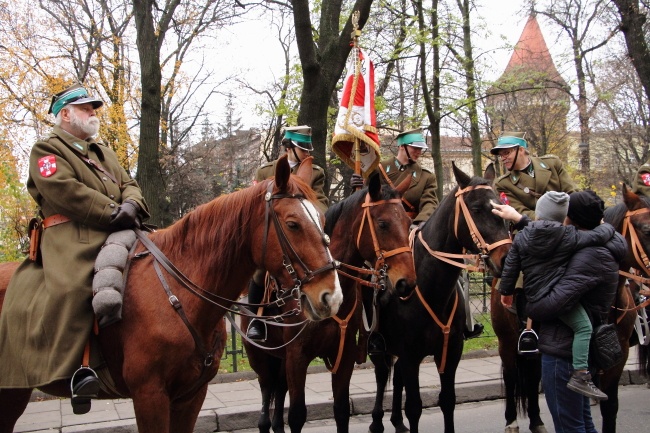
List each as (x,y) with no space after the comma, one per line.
(642,327)
(528,337)
(256,325)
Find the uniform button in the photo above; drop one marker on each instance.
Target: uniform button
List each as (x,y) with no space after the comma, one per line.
(111,205)
(111,196)
(104,179)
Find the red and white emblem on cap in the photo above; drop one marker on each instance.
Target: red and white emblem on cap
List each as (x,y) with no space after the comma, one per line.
(47,165)
(646,179)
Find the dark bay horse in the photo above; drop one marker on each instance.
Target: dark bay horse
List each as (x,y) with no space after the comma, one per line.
(430,320)
(632,219)
(370,225)
(164,364)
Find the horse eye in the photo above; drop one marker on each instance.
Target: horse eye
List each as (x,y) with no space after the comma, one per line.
(292,225)
(645,229)
(383,224)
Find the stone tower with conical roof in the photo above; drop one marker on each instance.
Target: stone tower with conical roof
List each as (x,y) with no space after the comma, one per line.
(531,95)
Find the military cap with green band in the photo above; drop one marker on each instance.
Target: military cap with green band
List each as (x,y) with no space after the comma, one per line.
(75,95)
(508,141)
(413,138)
(299,136)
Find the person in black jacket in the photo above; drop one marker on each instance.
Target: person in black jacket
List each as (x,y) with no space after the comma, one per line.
(541,250)
(592,270)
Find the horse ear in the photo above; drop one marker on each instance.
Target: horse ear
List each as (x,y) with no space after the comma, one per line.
(305,169)
(632,200)
(489,172)
(282,173)
(374,186)
(461,178)
(403,186)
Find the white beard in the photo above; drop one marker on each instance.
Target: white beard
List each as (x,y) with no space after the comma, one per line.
(90,126)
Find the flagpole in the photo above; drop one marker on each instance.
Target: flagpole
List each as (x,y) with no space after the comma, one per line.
(355,45)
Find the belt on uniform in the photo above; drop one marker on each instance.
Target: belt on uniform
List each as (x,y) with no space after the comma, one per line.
(54,220)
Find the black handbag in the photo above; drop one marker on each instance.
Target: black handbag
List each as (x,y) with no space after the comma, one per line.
(605,348)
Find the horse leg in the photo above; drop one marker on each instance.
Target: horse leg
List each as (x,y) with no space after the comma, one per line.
(183,414)
(296,378)
(509,372)
(382,370)
(268,369)
(396,417)
(279,395)
(152,408)
(341,390)
(608,383)
(410,372)
(13,403)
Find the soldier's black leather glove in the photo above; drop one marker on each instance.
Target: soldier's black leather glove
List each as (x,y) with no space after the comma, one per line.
(126,216)
(356,181)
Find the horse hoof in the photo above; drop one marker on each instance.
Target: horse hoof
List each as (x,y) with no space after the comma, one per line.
(401,429)
(512,429)
(538,429)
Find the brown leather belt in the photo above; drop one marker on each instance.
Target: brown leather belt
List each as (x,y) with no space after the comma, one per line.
(55,219)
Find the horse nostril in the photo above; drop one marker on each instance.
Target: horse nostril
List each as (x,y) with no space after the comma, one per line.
(325,299)
(403,287)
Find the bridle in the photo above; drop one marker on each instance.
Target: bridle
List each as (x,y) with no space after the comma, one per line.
(640,255)
(483,247)
(378,273)
(288,252)
(479,259)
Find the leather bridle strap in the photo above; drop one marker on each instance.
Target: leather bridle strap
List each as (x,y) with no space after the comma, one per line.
(639,254)
(446,329)
(483,247)
(343,326)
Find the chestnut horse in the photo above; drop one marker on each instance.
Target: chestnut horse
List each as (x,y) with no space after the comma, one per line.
(632,219)
(151,356)
(430,320)
(372,226)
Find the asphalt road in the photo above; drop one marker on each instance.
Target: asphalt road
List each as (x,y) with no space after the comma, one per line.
(487,416)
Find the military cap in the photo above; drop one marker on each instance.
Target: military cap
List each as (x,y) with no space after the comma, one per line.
(508,140)
(413,138)
(75,94)
(298,136)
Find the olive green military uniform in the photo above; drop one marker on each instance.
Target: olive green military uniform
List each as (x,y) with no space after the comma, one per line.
(641,184)
(421,195)
(317,180)
(523,190)
(47,315)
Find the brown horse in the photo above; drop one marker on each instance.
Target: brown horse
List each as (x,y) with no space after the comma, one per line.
(430,320)
(370,225)
(164,364)
(632,219)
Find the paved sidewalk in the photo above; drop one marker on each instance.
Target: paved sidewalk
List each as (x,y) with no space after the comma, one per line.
(233,400)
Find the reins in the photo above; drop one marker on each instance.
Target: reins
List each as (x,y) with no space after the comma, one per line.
(452,259)
(287,251)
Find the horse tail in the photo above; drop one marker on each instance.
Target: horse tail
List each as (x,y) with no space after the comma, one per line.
(529,372)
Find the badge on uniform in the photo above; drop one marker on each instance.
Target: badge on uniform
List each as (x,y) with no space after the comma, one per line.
(543,165)
(646,179)
(47,165)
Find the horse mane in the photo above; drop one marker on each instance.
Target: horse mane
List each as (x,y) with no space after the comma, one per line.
(350,205)
(219,231)
(615,214)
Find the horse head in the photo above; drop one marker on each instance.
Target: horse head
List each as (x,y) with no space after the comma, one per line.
(383,230)
(632,219)
(478,229)
(294,248)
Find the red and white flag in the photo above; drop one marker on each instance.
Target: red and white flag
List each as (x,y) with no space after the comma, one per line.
(356,118)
